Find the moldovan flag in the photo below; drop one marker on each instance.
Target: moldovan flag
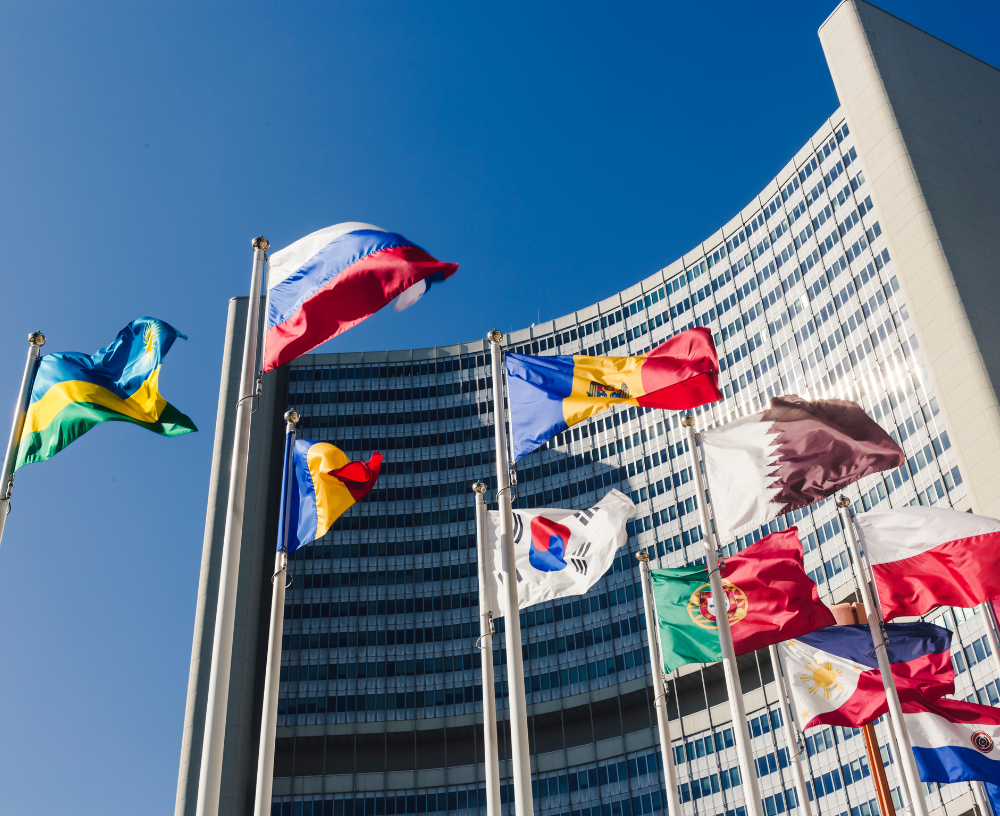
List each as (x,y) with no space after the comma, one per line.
(334,278)
(769,599)
(547,395)
(559,553)
(835,679)
(954,741)
(923,557)
(789,456)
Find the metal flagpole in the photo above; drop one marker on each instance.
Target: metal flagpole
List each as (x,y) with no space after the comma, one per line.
(882,790)
(491,756)
(660,687)
(791,737)
(910,772)
(272,674)
(35,342)
(520,747)
(213,742)
(744,752)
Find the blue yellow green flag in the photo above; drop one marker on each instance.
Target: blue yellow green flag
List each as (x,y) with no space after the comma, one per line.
(73,391)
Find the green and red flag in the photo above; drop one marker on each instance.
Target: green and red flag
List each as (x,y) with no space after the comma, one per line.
(769,599)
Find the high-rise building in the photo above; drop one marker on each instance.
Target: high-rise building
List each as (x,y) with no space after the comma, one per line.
(867,269)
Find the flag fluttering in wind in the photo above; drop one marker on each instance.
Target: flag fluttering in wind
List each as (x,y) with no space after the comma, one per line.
(789,456)
(334,278)
(325,485)
(547,395)
(769,598)
(835,679)
(923,557)
(73,391)
(559,553)
(955,741)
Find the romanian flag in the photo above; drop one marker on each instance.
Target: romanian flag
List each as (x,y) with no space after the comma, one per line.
(325,485)
(547,395)
(73,392)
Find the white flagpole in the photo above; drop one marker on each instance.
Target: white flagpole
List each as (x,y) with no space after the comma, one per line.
(660,687)
(491,754)
(272,674)
(213,742)
(520,747)
(744,752)
(791,737)
(905,750)
(35,342)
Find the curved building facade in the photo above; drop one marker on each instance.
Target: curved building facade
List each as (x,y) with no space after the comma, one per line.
(381,688)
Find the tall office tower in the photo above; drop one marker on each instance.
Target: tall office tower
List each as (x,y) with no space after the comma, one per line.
(865,270)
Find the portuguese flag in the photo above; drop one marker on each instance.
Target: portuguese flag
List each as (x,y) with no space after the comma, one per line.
(769,599)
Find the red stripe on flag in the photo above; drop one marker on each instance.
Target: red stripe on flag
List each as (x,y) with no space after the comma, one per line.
(682,372)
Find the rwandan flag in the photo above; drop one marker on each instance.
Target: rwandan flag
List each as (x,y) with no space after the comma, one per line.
(73,392)
(547,395)
(325,485)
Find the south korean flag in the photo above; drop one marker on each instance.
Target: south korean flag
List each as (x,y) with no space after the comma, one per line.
(559,553)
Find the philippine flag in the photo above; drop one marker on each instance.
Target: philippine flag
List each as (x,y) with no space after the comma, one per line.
(954,741)
(834,675)
(331,280)
(923,557)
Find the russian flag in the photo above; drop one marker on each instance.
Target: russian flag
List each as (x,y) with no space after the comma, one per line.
(923,557)
(834,677)
(954,741)
(331,280)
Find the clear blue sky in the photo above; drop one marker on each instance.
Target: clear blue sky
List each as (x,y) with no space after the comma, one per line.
(558,152)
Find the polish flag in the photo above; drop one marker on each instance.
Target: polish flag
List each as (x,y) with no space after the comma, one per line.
(923,557)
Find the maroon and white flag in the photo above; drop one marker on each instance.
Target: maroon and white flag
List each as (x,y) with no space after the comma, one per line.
(789,456)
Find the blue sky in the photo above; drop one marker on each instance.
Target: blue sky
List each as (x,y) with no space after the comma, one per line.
(558,152)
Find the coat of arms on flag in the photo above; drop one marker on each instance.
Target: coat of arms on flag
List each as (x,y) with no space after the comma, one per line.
(560,553)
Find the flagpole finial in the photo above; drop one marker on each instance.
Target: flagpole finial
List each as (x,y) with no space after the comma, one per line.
(843,501)
(292,416)
(642,556)
(495,336)
(260,242)
(36,339)
(688,421)
(479,487)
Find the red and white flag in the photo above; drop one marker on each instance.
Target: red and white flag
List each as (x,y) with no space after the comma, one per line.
(923,557)
(789,456)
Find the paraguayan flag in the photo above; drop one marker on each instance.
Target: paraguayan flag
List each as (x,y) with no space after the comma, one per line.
(559,553)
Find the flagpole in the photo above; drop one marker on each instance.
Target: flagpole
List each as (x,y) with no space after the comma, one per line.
(910,772)
(35,342)
(491,754)
(660,687)
(791,737)
(744,752)
(520,747)
(272,674)
(213,742)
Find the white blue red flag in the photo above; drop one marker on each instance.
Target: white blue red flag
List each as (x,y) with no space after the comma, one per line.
(954,741)
(559,553)
(834,677)
(331,280)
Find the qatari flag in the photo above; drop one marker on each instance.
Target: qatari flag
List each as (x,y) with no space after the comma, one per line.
(791,455)
(923,557)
